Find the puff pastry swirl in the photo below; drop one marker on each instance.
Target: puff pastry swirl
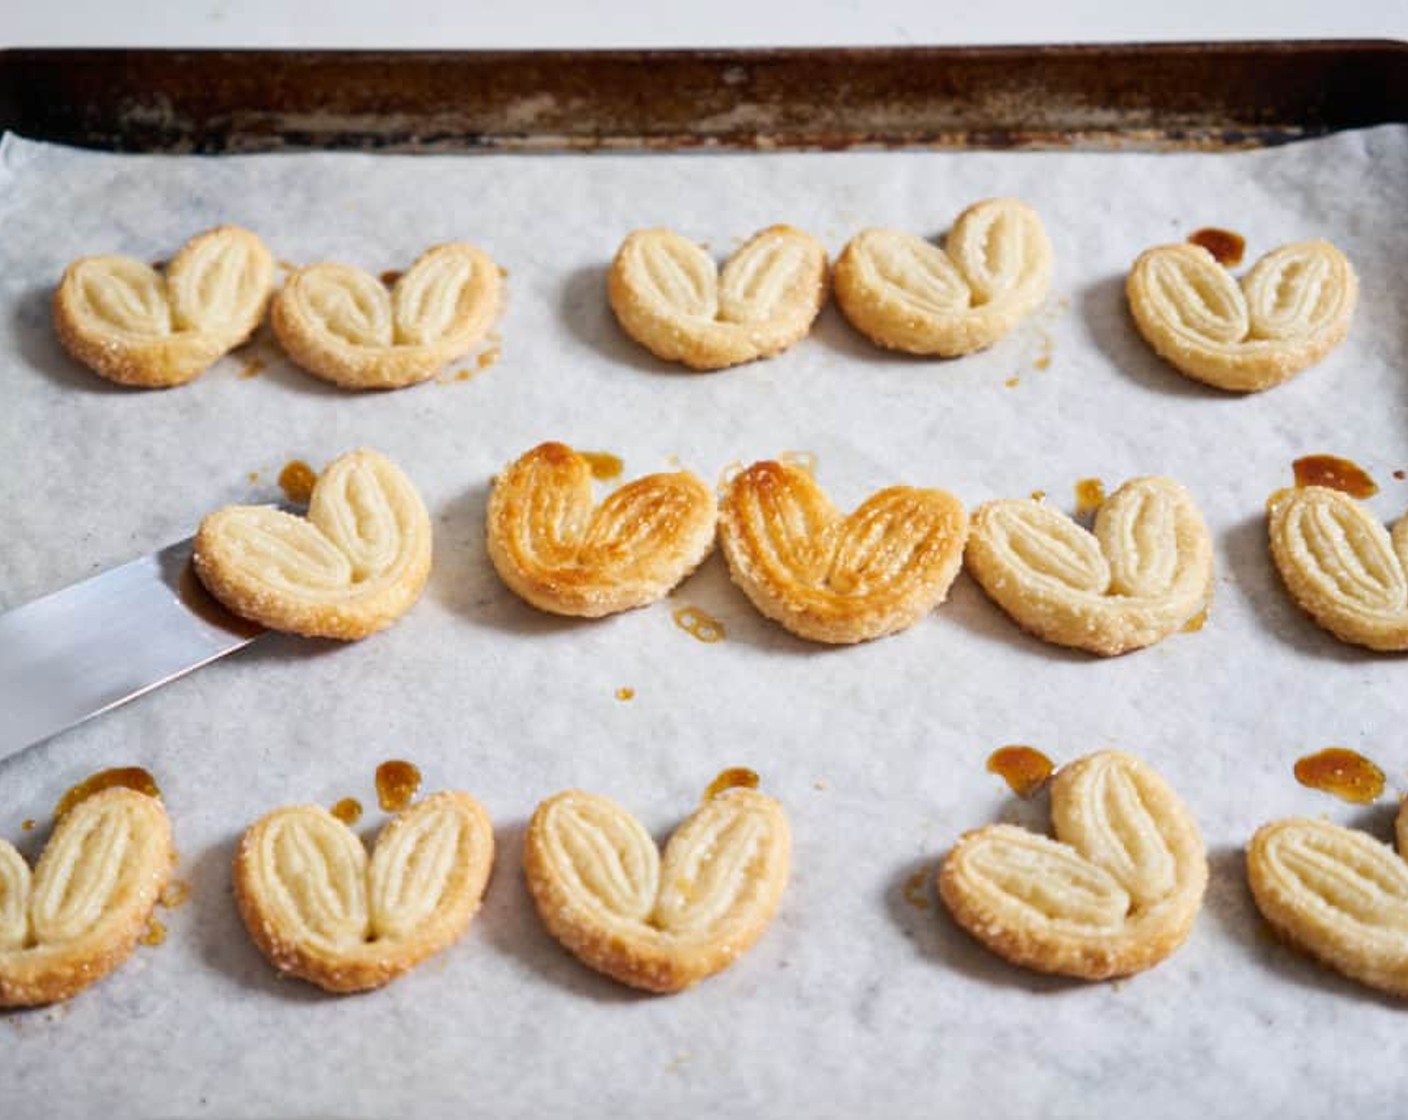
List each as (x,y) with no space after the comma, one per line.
(133,325)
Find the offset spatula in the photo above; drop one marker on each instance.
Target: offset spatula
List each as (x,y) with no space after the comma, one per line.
(97,644)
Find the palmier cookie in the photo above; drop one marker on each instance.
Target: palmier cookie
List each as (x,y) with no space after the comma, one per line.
(134,325)
(838,579)
(1341,565)
(662,925)
(320,910)
(1116,892)
(341,324)
(353,566)
(89,900)
(1145,572)
(905,293)
(1290,310)
(669,296)
(556,548)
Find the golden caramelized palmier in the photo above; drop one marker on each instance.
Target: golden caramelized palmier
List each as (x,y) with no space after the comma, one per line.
(603,890)
(353,566)
(342,325)
(1289,311)
(1339,563)
(136,326)
(556,548)
(319,910)
(905,293)
(669,296)
(89,900)
(1116,892)
(839,579)
(1145,572)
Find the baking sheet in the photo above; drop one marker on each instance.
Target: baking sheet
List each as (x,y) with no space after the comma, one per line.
(862,995)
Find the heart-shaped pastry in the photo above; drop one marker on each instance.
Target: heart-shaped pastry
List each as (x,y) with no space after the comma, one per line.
(1291,309)
(556,548)
(342,325)
(603,890)
(1341,565)
(838,579)
(905,293)
(1337,894)
(353,566)
(669,296)
(1145,572)
(1116,892)
(89,900)
(318,909)
(136,326)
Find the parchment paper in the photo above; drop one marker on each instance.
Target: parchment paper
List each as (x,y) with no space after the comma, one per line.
(863,998)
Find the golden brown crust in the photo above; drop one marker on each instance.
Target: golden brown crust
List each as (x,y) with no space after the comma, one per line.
(1116,892)
(1144,573)
(839,579)
(135,326)
(342,325)
(1341,566)
(559,550)
(1289,311)
(907,294)
(317,909)
(89,901)
(353,566)
(669,296)
(659,924)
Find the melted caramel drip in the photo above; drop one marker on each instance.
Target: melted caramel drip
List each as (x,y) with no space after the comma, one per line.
(128,777)
(397,783)
(625,694)
(1038,495)
(390,276)
(253,476)
(1336,473)
(1023,768)
(1012,382)
(1400,475)
(175,893)
(196,599)
(297,480)
(1342,772)
(28,825)
(735,777)
(1225,246)
(696,623)
(488,357)
(1197,622)
(605,466)
(348,811)
(159,266)
(1090,495)
(1043,361)
(156,933)
(253,367)
(916,890)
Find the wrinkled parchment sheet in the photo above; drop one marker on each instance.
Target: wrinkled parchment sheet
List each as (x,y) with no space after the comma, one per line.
(863,998)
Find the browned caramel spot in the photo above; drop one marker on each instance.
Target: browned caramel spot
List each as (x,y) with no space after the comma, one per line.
(397,783)
(390,276)
(348,811)
(1197,622)
(28,825)
(735,777)
(297,480)
(605,466)
(175,893)
(1400,475)
(1038,495)
(625,694)
(196,599)
(916,890)
(1012,382)
(127,777)
(1023,768)
(1225,246)
(156,933)
(1342,772)
(695,622)
(488,357)
(1090,495)
(1335,473)
(253,367)
(159,266)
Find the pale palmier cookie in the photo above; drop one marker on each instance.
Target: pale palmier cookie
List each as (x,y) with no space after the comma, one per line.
(559,550)
(905,293)
(353,566)
(343,325)
(320,910)
(1145,572)
(81,913)
(669,296)
(1116,892)
(659,924)
(1341,565)
(134,325)
(1337,894)
(833,578)
(1289,311)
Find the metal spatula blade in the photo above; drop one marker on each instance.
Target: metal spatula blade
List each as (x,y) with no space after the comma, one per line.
(97,644)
